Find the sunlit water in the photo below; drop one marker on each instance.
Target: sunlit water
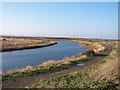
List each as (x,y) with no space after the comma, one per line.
(22,58)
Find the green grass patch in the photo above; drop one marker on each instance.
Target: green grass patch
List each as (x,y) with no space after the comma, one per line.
(75,80)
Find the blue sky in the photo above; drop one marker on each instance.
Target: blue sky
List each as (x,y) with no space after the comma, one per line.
(67,19)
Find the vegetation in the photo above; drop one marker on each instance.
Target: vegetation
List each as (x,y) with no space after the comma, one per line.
(50,66)
(85,78)
(102,75)
(75,80)
(19,43)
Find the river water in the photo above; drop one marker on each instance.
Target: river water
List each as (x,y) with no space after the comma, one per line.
(22,58)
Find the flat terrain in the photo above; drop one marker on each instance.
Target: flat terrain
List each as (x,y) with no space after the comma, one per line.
(100,69)
(19,43)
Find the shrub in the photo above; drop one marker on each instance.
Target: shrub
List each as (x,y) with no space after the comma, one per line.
(89,53)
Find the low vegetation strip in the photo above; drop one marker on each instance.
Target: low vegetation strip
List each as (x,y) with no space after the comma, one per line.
(101,76)
(19,43)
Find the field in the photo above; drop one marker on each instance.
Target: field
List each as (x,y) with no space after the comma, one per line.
(100,70)
(19,43)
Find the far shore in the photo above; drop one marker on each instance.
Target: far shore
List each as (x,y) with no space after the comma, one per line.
(21,43)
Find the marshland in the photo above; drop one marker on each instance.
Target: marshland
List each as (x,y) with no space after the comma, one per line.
(94,67)
(17,43)
(59,45)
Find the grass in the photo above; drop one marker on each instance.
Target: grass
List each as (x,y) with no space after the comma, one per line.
(81,60)
(44,69)
(76,80)
(83,78)
(14,43)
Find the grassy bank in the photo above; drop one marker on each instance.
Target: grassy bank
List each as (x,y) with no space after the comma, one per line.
(46,67)
(20,43)
(101,76)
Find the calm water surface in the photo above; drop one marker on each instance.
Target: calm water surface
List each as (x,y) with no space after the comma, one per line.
(22,58)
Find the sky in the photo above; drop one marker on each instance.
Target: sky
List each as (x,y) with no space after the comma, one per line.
(61,19)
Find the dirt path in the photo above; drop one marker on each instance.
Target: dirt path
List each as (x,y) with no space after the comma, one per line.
(23,81)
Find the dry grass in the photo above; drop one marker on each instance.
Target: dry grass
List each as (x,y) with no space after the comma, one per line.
(47,65)
(95,46)
(10,43)
(109,69)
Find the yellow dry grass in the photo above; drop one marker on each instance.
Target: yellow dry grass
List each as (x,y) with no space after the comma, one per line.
(21,43)
(109,70)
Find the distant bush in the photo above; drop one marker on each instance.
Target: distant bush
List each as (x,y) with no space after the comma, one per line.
(89,53)
(4,39)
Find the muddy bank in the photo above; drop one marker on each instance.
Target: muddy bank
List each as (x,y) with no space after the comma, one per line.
(11,44)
